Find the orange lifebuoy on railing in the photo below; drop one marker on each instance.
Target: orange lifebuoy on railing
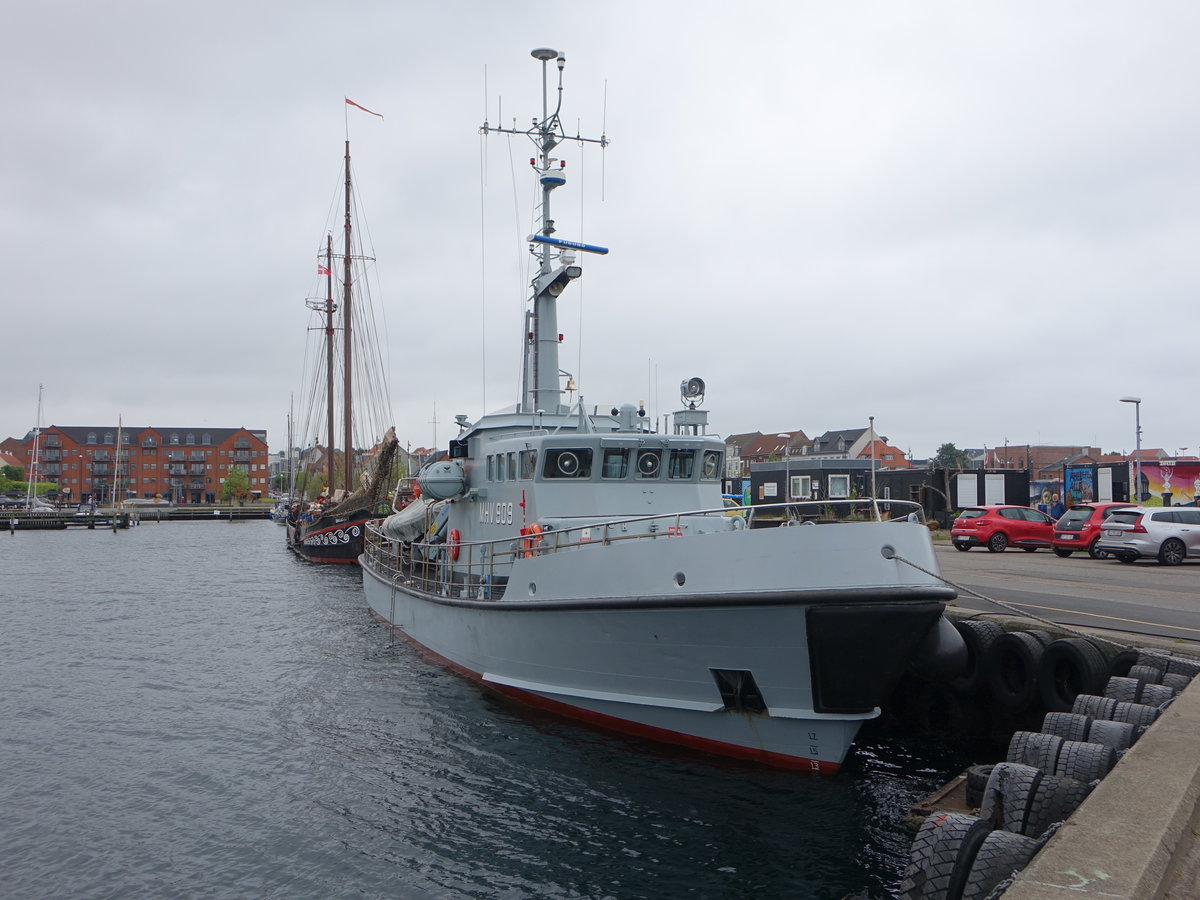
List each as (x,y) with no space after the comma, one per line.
(452,542)
(533,536)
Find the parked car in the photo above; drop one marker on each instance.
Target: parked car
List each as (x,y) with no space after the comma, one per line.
(1171,534)
(998,527)
(1079,528)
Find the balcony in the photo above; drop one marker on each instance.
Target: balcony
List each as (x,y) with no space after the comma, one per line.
(196,470)
(177,470)
(101,469)
(52,455)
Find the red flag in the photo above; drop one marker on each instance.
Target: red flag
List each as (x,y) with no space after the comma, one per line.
(363,108)
(321,270)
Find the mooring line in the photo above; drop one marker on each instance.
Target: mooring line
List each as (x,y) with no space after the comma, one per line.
(963,589)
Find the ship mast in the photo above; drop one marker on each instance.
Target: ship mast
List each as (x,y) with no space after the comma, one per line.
(329,357)
(347,362)
(540,390)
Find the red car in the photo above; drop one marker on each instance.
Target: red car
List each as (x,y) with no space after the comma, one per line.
(998,527)
(1079,528)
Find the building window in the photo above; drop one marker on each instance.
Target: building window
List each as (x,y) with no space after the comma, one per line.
(91,437)
(206,439)
(174,438)
(801,487)
(839,487)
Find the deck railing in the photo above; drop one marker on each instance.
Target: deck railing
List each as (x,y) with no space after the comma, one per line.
(478,570)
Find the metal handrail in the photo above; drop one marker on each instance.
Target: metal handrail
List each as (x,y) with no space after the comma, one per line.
(479,569)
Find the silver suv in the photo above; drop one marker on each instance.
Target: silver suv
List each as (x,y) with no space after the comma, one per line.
(1172,534)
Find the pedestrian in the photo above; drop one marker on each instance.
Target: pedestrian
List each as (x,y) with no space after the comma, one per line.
(1057,509)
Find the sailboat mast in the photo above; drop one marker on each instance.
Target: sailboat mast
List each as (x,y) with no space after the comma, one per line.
(31,489)
(347,361)
(329,359)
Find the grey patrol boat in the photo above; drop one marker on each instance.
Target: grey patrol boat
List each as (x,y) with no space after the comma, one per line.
(584,563)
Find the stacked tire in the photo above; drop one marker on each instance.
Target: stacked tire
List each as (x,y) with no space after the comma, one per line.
(1047,774)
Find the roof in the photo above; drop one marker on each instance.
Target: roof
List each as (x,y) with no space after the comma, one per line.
(828,442)
(79,433)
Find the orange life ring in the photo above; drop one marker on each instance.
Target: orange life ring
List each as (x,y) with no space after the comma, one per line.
(452,542)
(531,540)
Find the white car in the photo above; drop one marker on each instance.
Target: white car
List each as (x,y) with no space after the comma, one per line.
(1171,534)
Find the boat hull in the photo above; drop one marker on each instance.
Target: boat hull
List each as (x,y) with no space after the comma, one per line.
(339,541)
(663,666)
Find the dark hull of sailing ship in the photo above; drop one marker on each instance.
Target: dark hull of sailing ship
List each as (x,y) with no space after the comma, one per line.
(330,539)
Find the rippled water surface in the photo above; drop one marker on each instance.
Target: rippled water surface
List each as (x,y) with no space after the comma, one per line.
(187,710)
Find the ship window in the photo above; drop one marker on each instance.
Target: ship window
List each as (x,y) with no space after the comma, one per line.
(528,464)
(712,465)
(647,463)
(573,463)
(616,463)
(491,468)
(682,464)
(512,467)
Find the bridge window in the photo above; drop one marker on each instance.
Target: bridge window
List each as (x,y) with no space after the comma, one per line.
(712,465)
(512,467)
(572,463)
(683,463)
(616,463)
(491,468)
(528,464)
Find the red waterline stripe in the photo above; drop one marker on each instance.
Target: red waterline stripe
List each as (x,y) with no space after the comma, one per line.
(612,723)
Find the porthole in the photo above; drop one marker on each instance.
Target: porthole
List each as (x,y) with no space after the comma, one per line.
(648,463)
(567,463)
(680,578)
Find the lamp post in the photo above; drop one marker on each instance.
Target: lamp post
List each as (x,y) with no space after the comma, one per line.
(1137,458)
(872,421)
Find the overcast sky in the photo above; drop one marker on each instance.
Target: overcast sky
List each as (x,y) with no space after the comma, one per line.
(972,221)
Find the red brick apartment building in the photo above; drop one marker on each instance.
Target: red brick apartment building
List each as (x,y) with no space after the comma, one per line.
(183,465)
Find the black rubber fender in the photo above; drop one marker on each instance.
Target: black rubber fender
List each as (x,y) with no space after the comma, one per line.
(1148,674)
(1013,669)
(979,636)
(977,779)
(1070,667)
(1068,726)
(1094,706)
(999,856)
(1124,690)
(1118,735)
(942,855)
(1084,761)
(1032,748)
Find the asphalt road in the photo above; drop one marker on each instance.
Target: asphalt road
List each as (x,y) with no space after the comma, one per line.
(1138,598)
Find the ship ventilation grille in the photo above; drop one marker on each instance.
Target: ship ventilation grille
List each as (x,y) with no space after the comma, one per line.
(739,692)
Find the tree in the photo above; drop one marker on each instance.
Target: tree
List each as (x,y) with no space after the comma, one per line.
(237,485)
(947,458)
(950,457)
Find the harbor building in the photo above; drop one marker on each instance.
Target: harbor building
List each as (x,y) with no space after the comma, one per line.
(181,465)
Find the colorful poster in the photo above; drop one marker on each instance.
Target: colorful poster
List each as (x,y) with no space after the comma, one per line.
(1080,484)
(1170,483)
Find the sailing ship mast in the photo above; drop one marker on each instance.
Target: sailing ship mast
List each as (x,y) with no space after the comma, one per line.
(329,307)
(31,488)
(347,368)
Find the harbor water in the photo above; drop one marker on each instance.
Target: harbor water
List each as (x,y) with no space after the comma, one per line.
(189,710)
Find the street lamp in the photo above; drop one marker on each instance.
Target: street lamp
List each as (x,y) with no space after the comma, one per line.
(1137,458)
(872,421)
